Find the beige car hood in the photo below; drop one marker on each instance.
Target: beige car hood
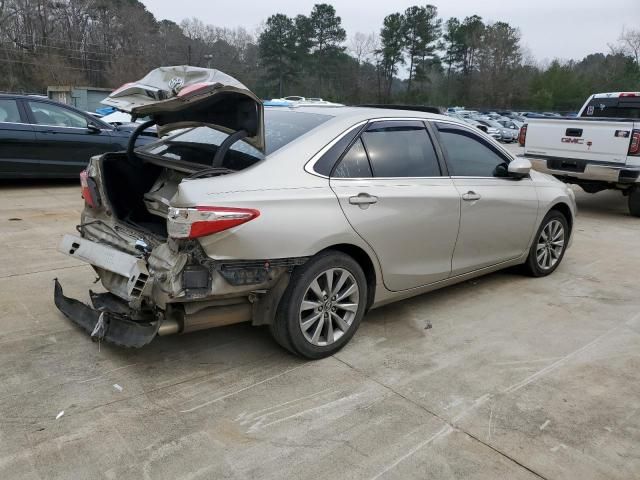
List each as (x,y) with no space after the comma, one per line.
(184,96)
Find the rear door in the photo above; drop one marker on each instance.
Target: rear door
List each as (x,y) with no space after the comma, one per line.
(391,188)
(498,213)
(65,141)
(17,140)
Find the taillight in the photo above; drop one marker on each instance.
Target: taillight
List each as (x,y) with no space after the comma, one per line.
(197,222)
(86,190)
(522,136)
(634,146)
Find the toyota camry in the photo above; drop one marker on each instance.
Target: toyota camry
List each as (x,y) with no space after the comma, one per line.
(300,218)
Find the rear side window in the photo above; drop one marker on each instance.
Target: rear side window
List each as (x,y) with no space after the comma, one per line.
(9,111)
(625,107)
(199,144)
(399,149)
(354,164)
(469,155)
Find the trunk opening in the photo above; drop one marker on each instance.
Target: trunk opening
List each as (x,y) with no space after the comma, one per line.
(126,183)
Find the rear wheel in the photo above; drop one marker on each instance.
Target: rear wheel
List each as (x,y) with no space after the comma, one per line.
(634,201)
(322,306)
(549,245)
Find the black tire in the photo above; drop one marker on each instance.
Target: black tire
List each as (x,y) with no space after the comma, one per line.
(532,266)
(634,202)
(287,328)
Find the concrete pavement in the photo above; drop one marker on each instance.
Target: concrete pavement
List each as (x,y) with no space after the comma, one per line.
(517,378)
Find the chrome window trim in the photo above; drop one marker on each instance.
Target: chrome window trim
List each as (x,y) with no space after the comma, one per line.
(391,178)
(16,123)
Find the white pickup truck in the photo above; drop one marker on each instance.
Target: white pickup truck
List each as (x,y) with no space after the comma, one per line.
(598,150)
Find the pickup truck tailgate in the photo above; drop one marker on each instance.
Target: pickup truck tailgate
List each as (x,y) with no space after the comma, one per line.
(584,139)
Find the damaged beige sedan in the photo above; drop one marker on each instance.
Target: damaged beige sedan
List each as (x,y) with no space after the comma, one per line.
(301,218)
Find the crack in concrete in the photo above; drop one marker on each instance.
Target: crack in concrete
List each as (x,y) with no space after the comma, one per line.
(448,428)
(11,275)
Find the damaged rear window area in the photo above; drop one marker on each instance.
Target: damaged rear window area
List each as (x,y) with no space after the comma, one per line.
(199,145)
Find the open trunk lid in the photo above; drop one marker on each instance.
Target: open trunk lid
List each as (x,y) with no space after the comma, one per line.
(184,96)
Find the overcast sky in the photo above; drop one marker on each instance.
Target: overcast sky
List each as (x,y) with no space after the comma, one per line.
(550,28)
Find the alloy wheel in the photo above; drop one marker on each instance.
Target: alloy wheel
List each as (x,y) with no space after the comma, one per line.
(550,245)
(329,306)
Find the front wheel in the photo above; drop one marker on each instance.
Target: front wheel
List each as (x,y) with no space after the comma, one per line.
(549,245)
(322,307)
(634,201)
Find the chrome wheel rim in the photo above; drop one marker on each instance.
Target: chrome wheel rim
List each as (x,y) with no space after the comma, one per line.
(329,306)
(550,245)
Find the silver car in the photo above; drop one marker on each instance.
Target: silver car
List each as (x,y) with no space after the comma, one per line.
(301,219)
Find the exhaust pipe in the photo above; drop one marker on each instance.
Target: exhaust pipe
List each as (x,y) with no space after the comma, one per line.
(192,318)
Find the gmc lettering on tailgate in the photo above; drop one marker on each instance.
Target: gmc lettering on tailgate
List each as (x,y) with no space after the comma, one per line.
(579,141)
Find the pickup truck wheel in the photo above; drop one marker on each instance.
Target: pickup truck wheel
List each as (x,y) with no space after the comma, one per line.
(634,201)
(549,245)
(322,307)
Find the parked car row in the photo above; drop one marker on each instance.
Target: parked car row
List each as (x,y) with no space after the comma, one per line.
(501,127)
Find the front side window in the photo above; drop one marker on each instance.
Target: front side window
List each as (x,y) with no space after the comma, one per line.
(469,155)
(354,164)
(400,149)
(53,115)
(9,111)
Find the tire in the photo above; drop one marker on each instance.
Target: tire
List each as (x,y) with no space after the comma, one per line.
(546,253)
(634,201)
(330,322)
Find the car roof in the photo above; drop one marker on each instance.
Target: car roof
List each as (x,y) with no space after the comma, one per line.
(359,113)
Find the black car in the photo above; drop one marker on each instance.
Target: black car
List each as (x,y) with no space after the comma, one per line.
(40,138)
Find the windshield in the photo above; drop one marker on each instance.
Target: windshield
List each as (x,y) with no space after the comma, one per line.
(199,144)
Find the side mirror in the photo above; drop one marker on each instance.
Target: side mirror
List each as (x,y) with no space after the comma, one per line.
(519,167)
(93,128)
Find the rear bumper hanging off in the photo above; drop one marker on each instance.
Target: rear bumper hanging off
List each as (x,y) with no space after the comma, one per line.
(103,323)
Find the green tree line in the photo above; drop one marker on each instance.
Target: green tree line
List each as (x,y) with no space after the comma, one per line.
(415,56)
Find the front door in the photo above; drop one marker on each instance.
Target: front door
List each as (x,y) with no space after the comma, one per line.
(498,213)
(390,188)
(66,143)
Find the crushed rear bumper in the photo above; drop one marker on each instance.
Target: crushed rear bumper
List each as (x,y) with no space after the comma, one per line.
(107,321)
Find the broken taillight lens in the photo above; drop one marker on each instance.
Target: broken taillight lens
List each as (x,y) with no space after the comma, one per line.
(195,222)
(522,136)
(634,145)
(86,190)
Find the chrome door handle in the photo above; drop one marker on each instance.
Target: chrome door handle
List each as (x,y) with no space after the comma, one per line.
(363,200)
(471,196)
